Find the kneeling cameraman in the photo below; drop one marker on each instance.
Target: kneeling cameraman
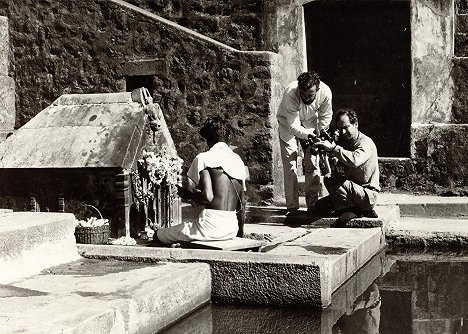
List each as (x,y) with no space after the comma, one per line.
(355,193)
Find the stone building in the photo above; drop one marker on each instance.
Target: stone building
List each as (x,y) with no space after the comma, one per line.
(401,63)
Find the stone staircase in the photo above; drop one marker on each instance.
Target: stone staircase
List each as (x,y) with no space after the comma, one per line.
(47,287)
(428,221)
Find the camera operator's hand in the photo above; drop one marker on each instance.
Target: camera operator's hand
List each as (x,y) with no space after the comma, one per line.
(326,145)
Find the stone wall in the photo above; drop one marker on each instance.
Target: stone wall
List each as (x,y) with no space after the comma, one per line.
(460,64)
(81,46)
(439,104)
(236,23)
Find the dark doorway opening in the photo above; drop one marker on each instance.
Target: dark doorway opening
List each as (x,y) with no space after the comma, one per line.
(138,81)
(362,50)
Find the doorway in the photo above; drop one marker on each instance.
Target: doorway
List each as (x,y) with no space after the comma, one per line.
(138,81)
(362,50)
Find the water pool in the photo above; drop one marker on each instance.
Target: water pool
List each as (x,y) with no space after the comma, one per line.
(414,292)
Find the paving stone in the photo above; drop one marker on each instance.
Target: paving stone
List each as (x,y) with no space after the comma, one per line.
(235,244)
(95,296)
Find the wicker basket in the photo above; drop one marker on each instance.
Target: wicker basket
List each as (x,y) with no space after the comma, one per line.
(92,235)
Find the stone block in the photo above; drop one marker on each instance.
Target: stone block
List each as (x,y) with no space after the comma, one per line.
(31,242)
(241,277)
(461,44)
(461,24)
(144,67)
(443,147)
(345,250)
(141,299)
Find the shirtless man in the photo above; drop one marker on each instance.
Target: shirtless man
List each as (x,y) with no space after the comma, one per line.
(216,179)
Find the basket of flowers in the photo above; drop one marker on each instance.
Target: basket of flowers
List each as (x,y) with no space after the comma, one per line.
(93,230)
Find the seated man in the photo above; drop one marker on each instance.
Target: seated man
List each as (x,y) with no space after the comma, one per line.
(216,179)
(355,193)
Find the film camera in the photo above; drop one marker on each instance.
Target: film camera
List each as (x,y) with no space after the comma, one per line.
(316,137)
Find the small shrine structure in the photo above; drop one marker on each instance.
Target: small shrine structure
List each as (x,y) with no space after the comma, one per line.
(111,153)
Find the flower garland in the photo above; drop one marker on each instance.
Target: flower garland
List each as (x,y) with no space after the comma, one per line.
(159,169)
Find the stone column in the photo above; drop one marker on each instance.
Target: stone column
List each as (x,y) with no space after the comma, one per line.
(7,84)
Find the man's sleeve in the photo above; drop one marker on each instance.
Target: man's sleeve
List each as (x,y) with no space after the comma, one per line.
(325,112)
(353,158)
(288,116)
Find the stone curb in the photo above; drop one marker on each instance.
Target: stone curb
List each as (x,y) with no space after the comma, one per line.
(117,298)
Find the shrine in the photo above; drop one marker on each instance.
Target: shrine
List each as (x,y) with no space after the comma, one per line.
(108,155)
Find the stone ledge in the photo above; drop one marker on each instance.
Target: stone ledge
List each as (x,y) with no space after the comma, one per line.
(277,277)
(429,232)
(346,251)
(78,297)
(241,277)
(33,241)
(275,215)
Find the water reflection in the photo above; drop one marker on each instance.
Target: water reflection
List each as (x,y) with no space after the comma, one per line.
(363,317)
(393,294)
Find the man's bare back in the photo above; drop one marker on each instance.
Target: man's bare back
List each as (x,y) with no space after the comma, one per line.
(226,194)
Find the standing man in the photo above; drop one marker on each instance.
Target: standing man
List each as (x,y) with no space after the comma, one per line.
(355,193)
(306,107)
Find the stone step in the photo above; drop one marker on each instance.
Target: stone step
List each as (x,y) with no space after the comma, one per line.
(427,205)
(270,277)
(276,216)
(428,232)
(95,296)
(33,241)
(216,319)
(414,205)
(344,252)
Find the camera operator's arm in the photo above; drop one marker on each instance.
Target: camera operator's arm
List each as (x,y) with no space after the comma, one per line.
(352,158)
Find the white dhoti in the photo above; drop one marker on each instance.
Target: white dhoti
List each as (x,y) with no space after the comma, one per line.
(210,225)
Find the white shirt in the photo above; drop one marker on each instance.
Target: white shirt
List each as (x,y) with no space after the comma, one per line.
(292,112)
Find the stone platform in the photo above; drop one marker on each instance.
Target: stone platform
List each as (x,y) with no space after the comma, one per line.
(301,319)
(302,263)
(304,270)
(94,296)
